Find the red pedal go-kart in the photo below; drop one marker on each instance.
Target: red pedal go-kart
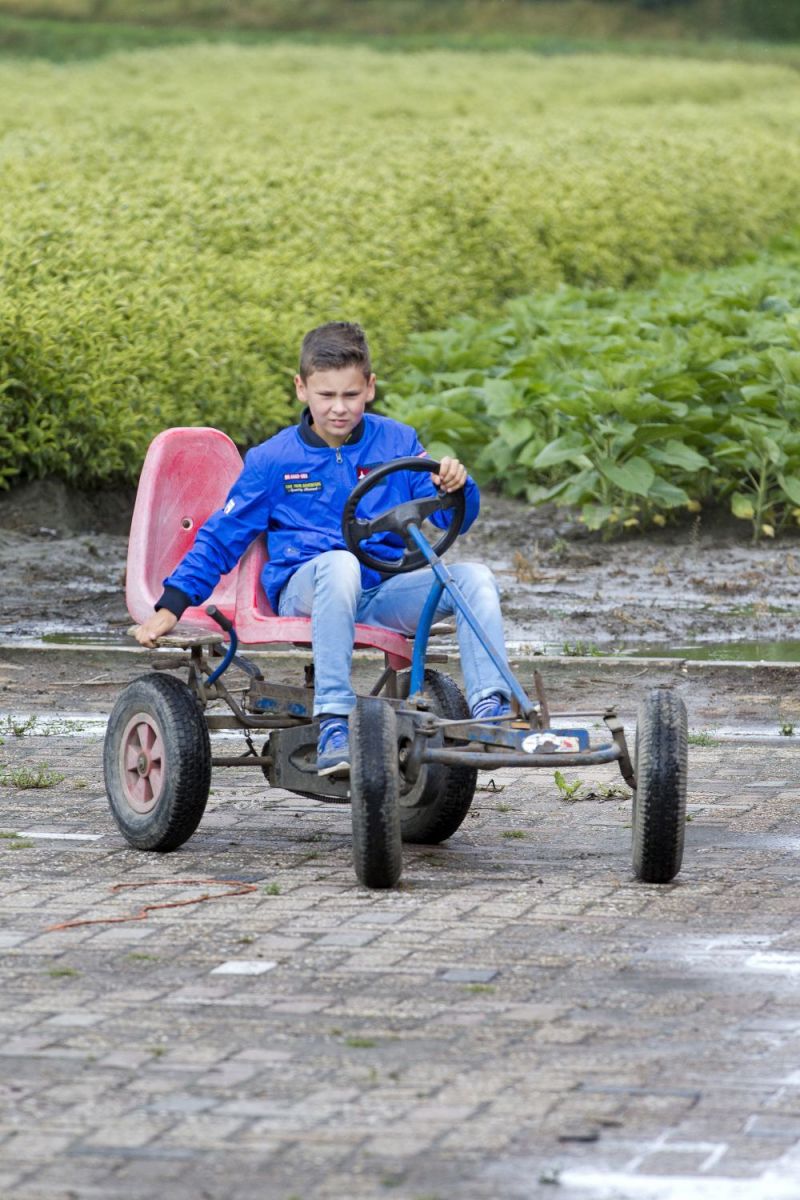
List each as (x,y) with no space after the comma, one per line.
(415,752)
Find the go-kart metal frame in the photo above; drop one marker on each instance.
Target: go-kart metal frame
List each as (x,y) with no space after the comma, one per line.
(415,750)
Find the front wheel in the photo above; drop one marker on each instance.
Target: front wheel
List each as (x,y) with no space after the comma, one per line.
(434,806)
(157,762)
(659,802)
(374,794)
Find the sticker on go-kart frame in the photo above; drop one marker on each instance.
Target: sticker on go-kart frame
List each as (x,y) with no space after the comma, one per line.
(545,742)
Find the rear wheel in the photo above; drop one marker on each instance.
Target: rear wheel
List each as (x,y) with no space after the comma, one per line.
(157,763)
(433,807)
(659,802)
(374,793)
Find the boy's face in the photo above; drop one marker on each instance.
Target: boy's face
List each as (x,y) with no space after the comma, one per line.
(336,399)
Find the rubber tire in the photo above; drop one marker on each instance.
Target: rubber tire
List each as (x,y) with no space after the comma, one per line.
(175,712)
(447,792)
(659,801)
(375,793)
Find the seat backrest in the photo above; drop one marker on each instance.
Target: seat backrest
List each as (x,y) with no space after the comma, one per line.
(186,476)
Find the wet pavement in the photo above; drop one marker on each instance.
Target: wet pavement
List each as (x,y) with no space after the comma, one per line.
(519,1019)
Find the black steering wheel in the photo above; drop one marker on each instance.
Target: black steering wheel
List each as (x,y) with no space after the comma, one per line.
(356,530)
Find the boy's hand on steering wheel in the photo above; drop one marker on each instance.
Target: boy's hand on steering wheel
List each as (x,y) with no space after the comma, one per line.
(452,475)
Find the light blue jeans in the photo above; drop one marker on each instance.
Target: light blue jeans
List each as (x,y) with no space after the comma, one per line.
(328,589)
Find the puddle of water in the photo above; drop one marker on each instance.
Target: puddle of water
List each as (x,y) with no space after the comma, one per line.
(757,651)
(61,633)
(73,638)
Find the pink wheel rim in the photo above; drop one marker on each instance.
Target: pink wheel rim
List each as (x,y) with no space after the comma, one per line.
(142,763)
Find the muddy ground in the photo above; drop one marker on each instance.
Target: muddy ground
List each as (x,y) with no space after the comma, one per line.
(62,559)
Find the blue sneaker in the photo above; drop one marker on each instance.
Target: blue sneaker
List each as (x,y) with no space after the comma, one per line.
(495,705)
(333,747)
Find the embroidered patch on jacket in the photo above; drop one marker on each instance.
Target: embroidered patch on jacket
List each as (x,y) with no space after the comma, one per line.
(301,484)
(365,470)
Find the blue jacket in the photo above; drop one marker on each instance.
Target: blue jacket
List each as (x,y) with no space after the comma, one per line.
(294,486)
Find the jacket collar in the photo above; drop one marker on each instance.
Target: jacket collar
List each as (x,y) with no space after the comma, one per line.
(310,436)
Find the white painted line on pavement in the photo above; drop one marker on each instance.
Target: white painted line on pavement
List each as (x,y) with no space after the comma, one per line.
(241,966)
(778,964)
(620,1185)
(60,837)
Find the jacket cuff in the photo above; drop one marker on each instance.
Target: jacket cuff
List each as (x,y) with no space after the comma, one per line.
(174,600)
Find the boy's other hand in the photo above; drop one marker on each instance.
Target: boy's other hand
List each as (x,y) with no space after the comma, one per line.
(160,624)
(452,475)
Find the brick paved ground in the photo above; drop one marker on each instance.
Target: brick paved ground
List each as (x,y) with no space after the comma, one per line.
(520,1019)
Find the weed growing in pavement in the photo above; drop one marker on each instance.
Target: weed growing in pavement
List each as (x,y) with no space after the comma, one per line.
(787,729)
(272,889)
(703,738)
(577,790)
(476,988)
(59,726)
(514,833)
(609,791)
(567,791)
(551,1175)
(62,972)
(19,726)
(23,777)
(360,1043)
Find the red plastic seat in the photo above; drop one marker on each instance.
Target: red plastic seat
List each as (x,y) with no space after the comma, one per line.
(186,476)
(256,622)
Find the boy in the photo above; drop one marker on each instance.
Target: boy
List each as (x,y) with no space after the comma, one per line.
(295,486)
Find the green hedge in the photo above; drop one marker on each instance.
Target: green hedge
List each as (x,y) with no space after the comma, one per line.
(171,222)
(777,19)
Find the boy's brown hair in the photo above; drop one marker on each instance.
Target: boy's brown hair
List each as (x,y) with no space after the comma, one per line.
(337,344)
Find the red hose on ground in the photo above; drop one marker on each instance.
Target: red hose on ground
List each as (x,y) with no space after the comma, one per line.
(240,889)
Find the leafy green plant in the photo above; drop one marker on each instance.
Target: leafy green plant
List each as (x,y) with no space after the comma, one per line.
(567,791)
(637,404)
(19,726)
(702,738)
(581,650)
(25,777)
